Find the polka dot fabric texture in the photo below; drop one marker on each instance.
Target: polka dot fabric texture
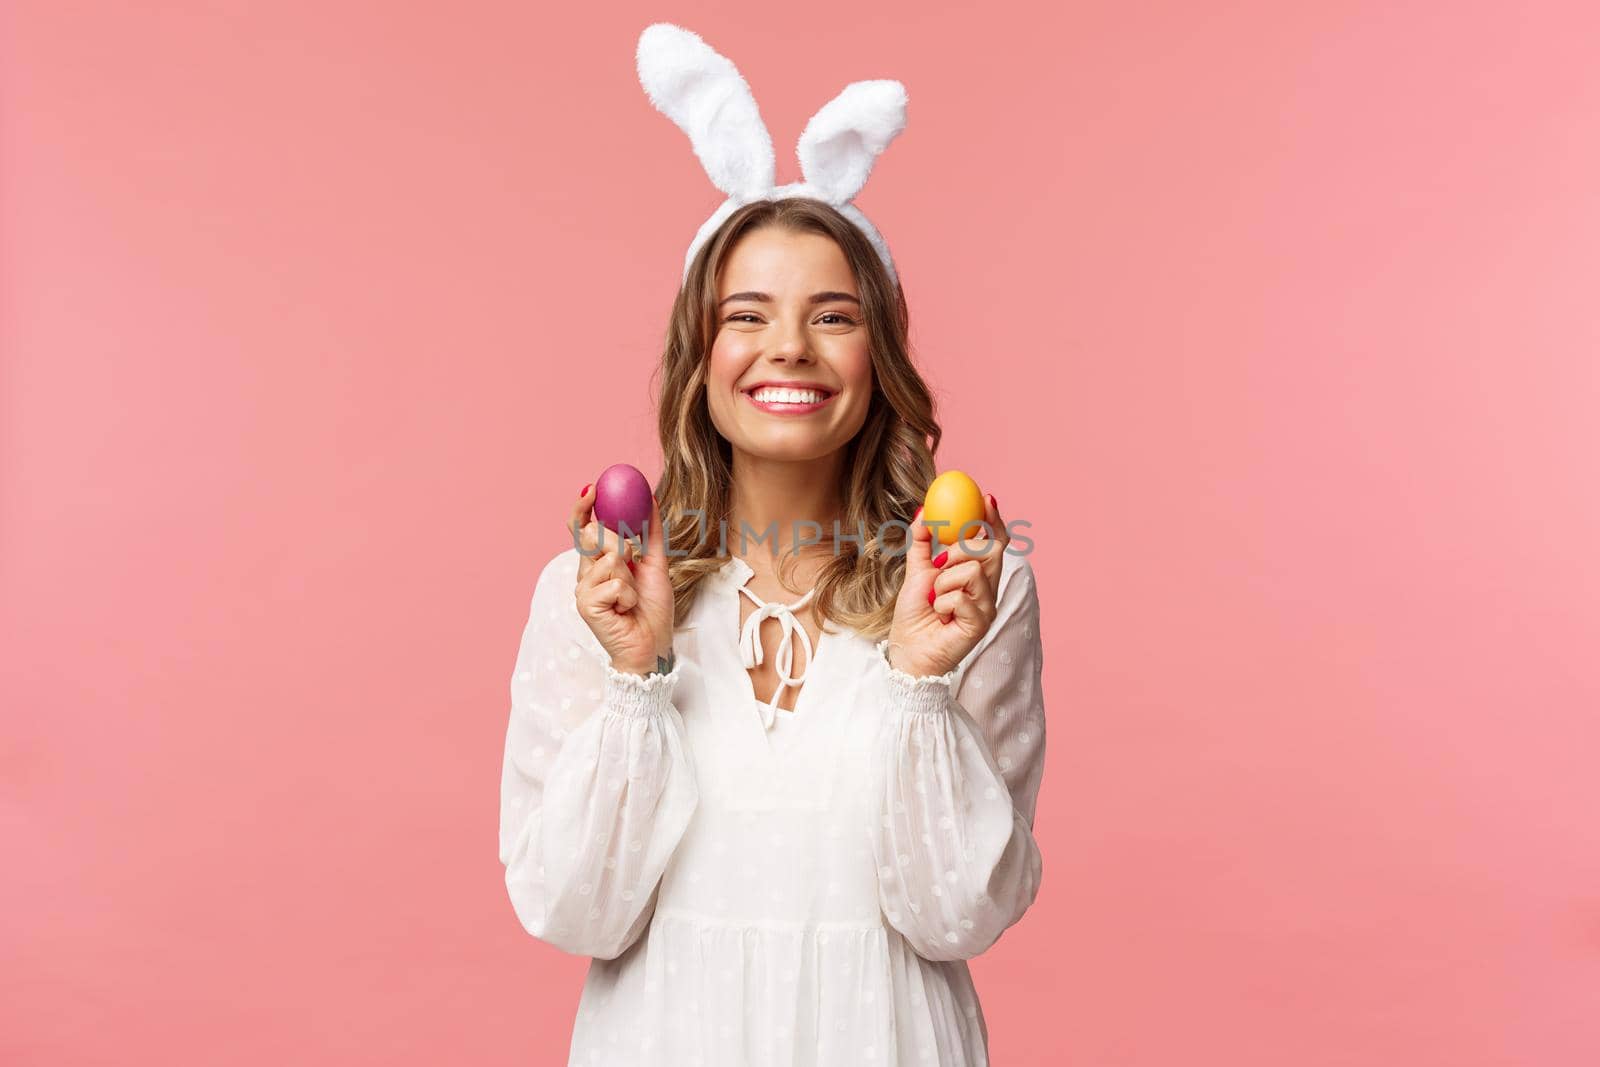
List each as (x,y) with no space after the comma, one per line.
(795,889)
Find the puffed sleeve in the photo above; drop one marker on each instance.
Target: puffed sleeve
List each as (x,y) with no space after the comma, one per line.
(597,784)
(962,757)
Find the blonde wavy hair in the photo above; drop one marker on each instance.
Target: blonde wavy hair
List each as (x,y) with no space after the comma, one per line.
(887,466)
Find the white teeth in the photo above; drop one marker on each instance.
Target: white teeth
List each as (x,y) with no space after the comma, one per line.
(788,396)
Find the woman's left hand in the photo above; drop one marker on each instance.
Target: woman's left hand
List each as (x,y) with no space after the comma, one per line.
(931,635)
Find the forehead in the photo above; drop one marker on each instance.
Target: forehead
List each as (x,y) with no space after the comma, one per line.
(785,264)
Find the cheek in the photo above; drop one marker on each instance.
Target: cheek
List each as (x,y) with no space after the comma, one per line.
(724,367)
(854,369)
(724,364)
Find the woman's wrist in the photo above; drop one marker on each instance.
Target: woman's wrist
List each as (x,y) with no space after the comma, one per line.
(901,660)
(910,666)
(663,663)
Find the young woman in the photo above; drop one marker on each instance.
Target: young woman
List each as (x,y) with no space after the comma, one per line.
(779,821)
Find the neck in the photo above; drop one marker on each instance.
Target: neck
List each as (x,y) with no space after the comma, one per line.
(773,499)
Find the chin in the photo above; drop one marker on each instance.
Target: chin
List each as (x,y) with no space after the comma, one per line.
(789,451)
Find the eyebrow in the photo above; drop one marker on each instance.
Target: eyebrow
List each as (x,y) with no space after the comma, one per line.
(766,298)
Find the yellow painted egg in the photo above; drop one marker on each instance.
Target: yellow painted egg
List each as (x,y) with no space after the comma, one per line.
(955,500)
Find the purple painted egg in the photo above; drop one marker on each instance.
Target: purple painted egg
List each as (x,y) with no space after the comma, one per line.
(622,498)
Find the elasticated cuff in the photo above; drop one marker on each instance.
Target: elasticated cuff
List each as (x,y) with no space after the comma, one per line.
(927,693)
(632,694)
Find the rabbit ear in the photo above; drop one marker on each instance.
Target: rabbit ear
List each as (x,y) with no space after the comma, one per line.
(703,92)
(845,138)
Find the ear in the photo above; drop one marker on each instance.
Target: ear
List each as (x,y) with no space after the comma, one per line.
(703,92)
(845,138)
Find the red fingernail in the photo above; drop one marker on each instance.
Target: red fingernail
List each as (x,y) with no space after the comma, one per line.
(585,489)
(930,596)
(630,566)
(993,502)
(940,558)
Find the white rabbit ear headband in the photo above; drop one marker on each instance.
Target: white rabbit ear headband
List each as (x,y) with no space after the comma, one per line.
(701,90)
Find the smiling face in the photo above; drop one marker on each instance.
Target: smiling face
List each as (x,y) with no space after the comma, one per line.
(788,315)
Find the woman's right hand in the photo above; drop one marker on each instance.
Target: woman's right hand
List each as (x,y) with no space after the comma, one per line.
(625,598)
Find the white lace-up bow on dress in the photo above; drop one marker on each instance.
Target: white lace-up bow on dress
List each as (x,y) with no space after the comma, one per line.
(800,896)
(750,645)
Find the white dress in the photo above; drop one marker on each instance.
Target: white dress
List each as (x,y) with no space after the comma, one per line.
(804,894)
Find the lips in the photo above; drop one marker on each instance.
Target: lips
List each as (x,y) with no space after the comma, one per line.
(780,407)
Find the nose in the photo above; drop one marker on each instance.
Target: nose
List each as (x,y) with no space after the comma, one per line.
(792,347)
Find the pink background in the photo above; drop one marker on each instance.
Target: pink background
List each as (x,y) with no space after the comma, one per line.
(1278,323)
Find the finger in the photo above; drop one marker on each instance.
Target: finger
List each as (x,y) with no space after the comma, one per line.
(950,587)
(976,544)
(919,554)
(951,604)
(1001,538)
(609,593)
(966,610)
(578,514)
(627,597)
(596,538)
(620,567)
(967,602)
(655,543)
(981,588)
(996,523)
(956,576)
(595,542)
(606,561)
(611,548)
(616,559)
